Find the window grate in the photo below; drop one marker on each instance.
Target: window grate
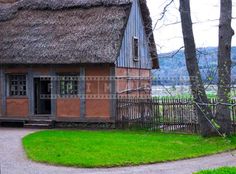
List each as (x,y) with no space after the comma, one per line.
(17,85)
(68,85)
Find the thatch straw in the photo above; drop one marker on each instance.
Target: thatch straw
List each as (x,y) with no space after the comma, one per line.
(64,31)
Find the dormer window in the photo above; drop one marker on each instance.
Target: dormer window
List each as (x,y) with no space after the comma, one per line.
(135,49)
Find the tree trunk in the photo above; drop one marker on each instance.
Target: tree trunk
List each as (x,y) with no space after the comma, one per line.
(224,67)
(203,111)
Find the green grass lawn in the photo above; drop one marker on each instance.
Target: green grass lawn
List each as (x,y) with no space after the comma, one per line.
(223,170)
(118,148)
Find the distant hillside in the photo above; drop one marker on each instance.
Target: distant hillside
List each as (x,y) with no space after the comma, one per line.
(172,66)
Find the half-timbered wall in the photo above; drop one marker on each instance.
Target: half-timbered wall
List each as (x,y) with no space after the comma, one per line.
(93,103)
(133,77)
(133,82)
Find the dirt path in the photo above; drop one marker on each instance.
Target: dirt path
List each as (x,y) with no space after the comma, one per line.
(14,161)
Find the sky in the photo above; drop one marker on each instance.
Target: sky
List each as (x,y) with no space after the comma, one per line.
(205,15)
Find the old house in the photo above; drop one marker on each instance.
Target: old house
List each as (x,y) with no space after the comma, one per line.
(67,60)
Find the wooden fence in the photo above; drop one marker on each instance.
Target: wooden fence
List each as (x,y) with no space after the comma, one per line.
(167,115)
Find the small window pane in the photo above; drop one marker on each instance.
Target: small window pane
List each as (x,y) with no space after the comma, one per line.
(68,85)
(17,85)
(135,49)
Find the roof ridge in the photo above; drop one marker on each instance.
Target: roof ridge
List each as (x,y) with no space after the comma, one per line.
(59,4)
(8,10)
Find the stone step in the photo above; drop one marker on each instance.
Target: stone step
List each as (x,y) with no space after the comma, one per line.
(38,121)
(39,124)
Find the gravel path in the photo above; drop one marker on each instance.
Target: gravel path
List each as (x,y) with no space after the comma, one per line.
(14,161)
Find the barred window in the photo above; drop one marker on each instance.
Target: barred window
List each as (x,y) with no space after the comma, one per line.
(17,85)
(68,85)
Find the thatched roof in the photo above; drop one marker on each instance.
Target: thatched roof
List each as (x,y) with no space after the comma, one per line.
(65,31)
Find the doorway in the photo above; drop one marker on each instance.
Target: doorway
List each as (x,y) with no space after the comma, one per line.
(42,97)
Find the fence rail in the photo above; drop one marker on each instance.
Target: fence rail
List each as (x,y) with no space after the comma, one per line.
(167,115)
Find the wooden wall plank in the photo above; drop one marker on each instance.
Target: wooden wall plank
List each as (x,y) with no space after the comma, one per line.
(113,92)
(134,28)
(3,91)
(30,91)
(52,74)
(82,91)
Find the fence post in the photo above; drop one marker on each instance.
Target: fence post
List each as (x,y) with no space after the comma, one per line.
(142,113)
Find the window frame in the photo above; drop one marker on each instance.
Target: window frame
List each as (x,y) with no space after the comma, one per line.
(24,85)
(60,75)
(134,51)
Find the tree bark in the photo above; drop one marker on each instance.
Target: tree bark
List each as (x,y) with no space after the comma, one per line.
(224,67)
(203,111)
